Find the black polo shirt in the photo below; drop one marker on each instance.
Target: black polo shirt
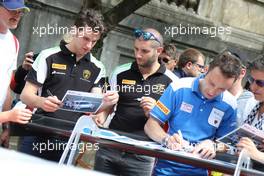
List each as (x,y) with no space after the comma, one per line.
(57,70)
(129,82)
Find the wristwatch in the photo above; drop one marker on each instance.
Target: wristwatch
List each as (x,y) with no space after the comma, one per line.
(164,141)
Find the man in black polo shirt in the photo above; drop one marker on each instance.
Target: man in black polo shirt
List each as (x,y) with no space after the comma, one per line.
(69,66)
(139,84)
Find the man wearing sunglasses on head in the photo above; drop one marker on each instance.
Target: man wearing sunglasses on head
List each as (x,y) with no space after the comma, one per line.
(191,63)
(140,84)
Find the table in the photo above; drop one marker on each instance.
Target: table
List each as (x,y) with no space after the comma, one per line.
(57,127)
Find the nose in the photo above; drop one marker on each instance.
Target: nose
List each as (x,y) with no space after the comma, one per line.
(137,54)
(88,45)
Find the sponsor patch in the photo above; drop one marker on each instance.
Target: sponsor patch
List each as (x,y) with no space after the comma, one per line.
(59,66)
(86,74)
(127,81)
(215,117)
(163,108)
(57,73)
(186,107)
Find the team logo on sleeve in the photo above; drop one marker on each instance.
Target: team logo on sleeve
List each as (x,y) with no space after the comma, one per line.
(163,108)
(186,107)
(129,82)
(86,74)
(59,66)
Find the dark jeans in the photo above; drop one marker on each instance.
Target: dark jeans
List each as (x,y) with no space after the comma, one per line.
(117,162)
(42,147)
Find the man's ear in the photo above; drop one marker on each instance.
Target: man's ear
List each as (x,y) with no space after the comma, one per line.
(243,72)
(159,50)
(189,65)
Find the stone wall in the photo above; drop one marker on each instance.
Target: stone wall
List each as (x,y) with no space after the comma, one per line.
(233,28)
(45,25)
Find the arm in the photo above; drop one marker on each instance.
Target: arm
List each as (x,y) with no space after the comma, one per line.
(8,101)
(29,97)
(154,131)
(109,100)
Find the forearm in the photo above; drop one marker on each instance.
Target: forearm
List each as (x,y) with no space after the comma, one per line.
(29,96)
(8,101)
(258,156)
(4,116)
(32,100)
(154,131)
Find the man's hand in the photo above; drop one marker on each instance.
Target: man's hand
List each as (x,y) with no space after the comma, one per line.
(205,149)
(176,142)
(28,61)
(147,103)
(99,119)
(50,104)
(110,99)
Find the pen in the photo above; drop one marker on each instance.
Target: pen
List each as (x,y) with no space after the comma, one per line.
(138,99)
(181,137)
(49,93)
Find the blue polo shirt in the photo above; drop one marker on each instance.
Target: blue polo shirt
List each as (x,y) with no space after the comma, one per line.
(186,109)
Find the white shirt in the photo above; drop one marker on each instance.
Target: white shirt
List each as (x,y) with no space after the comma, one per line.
(8,63)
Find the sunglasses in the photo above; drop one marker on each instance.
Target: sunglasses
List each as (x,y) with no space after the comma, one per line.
(145,35)
(15,12)
(251,80)
(201,67)
(164,60)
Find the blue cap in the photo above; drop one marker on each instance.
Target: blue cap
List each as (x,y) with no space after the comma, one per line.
(14,4)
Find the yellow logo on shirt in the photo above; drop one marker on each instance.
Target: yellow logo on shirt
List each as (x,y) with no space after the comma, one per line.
(86,74)
(59,66)
(163,108)
(127,81)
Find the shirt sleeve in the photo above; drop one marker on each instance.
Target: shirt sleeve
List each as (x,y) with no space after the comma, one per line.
(38,73)
(165,105)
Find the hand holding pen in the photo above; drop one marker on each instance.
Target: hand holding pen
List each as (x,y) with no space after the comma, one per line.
(50,103)
(146,103)
(177,142)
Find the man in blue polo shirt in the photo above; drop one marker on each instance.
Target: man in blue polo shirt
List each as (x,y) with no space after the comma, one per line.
(198,111)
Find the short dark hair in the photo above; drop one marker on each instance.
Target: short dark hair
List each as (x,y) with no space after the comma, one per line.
(189,55)
(171,50)
(257,64)
(91,18)
(228,63)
